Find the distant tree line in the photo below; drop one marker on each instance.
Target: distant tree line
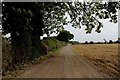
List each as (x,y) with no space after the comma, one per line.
(109,42)
(92,42)
(74,42)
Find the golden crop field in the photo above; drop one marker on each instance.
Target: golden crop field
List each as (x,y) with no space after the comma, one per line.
(105,56)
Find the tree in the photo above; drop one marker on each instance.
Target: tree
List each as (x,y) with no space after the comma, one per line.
(86,42)
(110,41)
(117,41)
(91,42)
(26,22)
(65,36)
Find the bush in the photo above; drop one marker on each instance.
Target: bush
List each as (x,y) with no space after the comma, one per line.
(6,55)
(53,43)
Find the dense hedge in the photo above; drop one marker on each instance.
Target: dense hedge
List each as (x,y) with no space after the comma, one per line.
(47,45)
(6,54)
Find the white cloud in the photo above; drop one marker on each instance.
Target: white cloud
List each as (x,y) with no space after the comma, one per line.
(109,32)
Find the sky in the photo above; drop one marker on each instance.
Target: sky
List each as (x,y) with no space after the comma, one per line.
(108,32)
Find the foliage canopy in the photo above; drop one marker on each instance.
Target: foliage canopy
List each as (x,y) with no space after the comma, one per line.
(31,16)
(65,36)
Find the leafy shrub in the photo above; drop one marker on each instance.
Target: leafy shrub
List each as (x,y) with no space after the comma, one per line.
(53,43)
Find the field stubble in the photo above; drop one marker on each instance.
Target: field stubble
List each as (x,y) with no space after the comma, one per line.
(105,56)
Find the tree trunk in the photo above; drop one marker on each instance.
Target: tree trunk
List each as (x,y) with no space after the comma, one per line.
(37,46)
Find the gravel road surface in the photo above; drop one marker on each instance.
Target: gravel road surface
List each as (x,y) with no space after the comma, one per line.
(65,64)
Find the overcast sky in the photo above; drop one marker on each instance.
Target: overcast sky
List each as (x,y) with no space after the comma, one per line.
(109,32)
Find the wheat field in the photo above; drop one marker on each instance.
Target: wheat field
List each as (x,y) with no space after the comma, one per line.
(105,56)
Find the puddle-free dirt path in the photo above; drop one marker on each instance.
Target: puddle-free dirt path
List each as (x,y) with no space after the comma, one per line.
(66,64)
